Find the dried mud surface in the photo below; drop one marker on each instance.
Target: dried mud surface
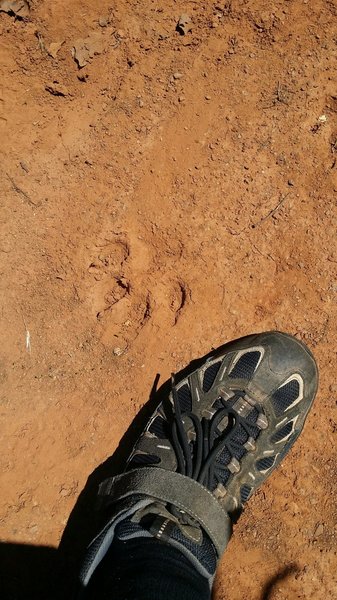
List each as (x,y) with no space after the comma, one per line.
(173,193)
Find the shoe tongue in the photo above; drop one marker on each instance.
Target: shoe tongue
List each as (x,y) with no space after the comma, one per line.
(155,520)
(159,521)
(162,528)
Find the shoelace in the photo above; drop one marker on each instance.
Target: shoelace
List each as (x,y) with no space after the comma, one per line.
(200,460)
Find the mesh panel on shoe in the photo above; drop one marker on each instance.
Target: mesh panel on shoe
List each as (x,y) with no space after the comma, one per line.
(240,435)
(209,376)
(185,398)
(159,427)
(285,396)
(253,416)
(127,529)
(235,447)
(238,453)
(265,463)
(203,552)
(224,457)
(222,476)
(282,433)
(246,365)
(245,492)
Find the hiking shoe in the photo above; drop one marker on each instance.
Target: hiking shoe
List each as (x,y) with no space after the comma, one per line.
(221,432)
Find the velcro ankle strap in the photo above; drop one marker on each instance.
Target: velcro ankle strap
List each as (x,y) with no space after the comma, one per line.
(181,491)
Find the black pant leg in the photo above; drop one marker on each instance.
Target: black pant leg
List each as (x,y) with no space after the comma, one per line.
(146,569)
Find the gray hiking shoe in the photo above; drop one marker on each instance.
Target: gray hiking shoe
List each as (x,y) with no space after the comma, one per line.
(221,432)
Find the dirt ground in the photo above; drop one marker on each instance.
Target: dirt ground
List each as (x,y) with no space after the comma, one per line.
(174,192)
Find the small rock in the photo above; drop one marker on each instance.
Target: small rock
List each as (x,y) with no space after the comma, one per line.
(54,47)
(291,183)
(207,97)
(24,166)
(103,22)
(85,49)
(184,24)
(181,98)
(18,8)
(118,351)
(177,75)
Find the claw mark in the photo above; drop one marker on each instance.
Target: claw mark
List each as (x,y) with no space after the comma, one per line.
(147,311)
(121,289)
(180,300)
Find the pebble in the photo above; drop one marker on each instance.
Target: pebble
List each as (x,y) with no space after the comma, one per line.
(184,24)
(207,97)
(118,351)
(177,75)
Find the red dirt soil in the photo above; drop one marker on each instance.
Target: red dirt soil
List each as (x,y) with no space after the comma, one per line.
(174,193)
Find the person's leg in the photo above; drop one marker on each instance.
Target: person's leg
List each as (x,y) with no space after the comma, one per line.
(146,569)
(206,449)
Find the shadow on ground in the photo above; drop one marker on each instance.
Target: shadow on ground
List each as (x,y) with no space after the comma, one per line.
(282,575)
(40,573)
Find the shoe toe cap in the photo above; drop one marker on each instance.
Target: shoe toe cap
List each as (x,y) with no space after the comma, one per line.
(285,357)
